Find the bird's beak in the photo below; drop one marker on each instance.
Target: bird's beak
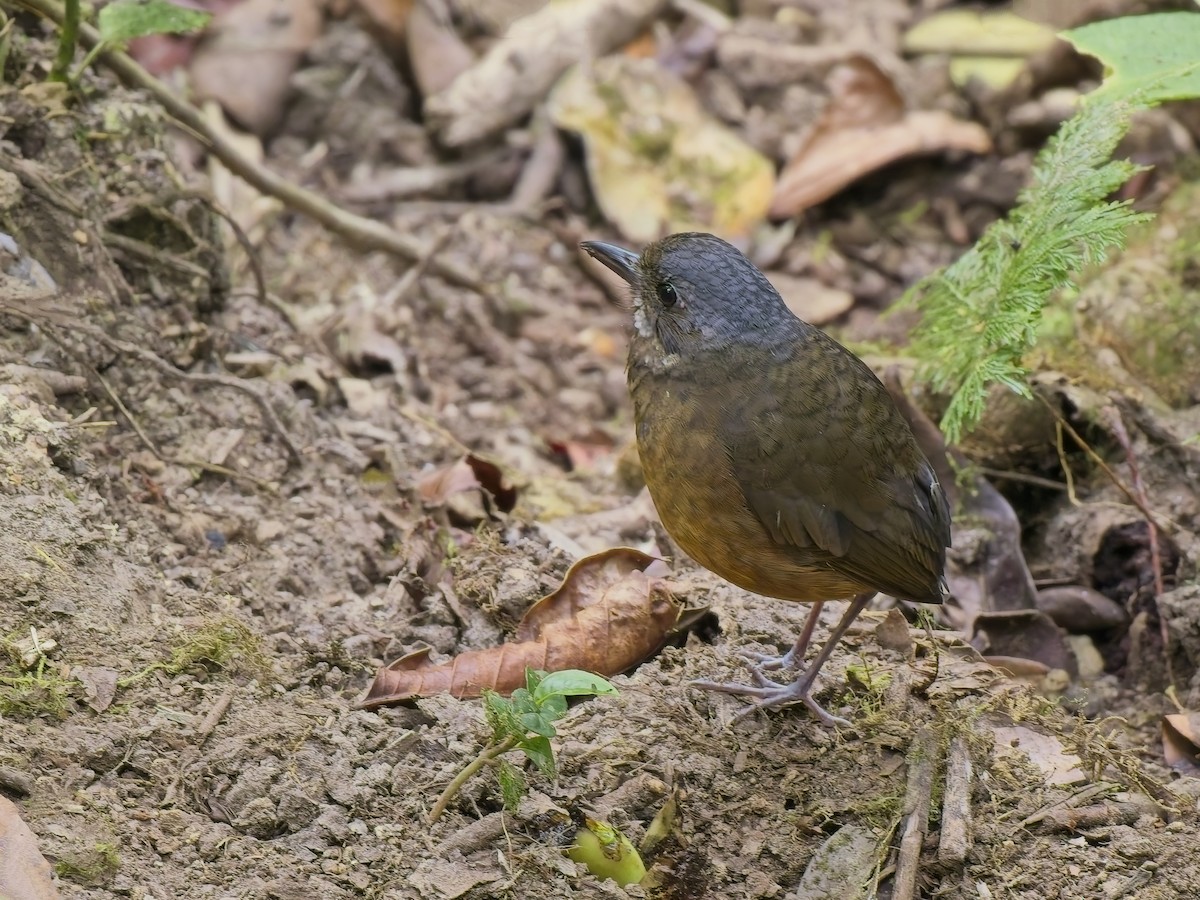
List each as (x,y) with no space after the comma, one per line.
(620,260)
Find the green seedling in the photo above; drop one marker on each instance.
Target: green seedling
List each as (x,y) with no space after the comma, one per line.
(524,722)
(119,23)
(607,853)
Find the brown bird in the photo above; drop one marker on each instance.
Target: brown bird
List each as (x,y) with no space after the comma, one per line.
(774,456)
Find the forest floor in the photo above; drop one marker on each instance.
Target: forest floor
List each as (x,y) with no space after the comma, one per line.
(189,611)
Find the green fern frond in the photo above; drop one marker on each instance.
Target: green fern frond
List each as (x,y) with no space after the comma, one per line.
(981,315)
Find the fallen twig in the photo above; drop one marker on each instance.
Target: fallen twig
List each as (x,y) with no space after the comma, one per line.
(361,232)
(211,721)
(922,760)
(1099,461)
(956,805)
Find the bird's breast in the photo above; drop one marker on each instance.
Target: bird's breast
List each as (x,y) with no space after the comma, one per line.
(689,473)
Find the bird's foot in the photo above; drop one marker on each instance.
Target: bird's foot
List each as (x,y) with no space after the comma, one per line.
(766,662)
(767,694)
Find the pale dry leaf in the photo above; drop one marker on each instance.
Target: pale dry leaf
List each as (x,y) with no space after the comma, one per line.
(997,72)
(24,872)
(812,300)
(1181,742)
(1043,750)
(863,128)
(248,56)
(823,168)
(466,474)
(435,51)
(99,685)
(251,209)
(656,160)
(961,31)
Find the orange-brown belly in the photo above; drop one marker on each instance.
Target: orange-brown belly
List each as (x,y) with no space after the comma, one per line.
(702,507)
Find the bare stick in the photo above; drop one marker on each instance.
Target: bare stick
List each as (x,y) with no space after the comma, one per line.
(211,721)
(364,233)
(956,805)
(916,810)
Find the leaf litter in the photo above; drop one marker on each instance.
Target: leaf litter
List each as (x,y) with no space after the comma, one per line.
(293,794)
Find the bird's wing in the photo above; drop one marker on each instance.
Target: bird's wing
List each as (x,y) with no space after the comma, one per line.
(830,467)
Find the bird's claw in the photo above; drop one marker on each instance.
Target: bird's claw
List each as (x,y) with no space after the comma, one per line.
(768,694)
(766,662)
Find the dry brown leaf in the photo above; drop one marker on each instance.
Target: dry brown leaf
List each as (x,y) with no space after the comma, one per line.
(583,453)
(584,585)
(1023,634)
(811,299)
(246,61)
(387,20)
(1181,742)
(607,616)
(435,51)
(467,474)
(864,128)
(99,685)
(24,872)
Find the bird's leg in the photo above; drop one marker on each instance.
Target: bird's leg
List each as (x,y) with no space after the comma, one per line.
(767,694)
(794,658)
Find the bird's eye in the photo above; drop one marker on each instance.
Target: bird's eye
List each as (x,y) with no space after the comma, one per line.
(666,294)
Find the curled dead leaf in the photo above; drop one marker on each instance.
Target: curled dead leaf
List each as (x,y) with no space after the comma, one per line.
(1181,742)
(467,474)
(1027,634)
(863,128)
(607,616)
(582,454)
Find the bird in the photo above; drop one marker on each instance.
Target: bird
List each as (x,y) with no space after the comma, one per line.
(775,457)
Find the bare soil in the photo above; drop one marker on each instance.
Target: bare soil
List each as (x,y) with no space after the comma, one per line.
(216,605)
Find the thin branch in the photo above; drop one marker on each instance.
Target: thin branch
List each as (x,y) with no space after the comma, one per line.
(364,233)
(1098,460)
(1117,426)
(270,417)
(237,384)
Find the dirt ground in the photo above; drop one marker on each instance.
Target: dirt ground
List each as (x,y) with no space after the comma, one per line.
(198,607)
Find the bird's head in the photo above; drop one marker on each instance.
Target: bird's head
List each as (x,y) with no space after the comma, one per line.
(694,291)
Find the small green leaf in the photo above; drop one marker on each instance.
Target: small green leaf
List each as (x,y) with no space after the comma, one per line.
(501,717)
(124,20)
(533,677)
(538,723)
(512,785)
(573,683)
(522,701)
(538,749)
(1149,58)
(554,706)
